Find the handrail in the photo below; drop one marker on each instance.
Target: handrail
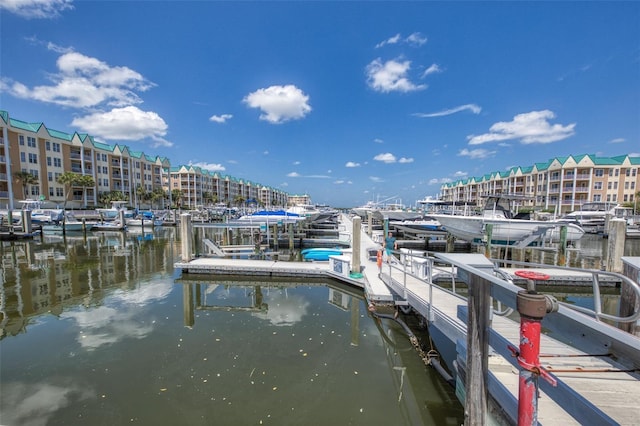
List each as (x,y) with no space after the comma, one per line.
(597,300)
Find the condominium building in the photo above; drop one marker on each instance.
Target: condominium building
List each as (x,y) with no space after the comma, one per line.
(46,154)
(561,184)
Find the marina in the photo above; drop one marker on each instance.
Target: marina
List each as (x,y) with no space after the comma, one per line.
(612,355)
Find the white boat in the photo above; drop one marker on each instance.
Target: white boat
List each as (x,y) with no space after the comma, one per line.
(144,220)
(113,212)
(68,223)
(506,228)
(113,225)
(425,224)
(270,216)
(40,214)
(592,216)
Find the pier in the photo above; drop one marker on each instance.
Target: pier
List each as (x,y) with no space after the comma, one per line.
(589,368)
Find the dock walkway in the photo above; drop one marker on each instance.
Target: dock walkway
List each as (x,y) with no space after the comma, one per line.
(592,388)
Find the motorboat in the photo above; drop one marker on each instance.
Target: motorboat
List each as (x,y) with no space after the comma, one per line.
(113,212)
(114,225)
(425,224)
(506,227)
(592,216)
(144,219)
(270,216)
(68,223)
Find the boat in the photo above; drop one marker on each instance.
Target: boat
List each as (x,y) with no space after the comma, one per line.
(114,225)
(507,228)
(144,219)
(270,216)
(68,223)
(426,224)
(113,212)
(592,216)
(320,253)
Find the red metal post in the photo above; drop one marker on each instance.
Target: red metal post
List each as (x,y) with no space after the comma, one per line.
(532,308)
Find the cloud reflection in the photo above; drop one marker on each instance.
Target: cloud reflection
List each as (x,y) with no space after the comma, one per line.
(118,317)
(284,310)
(34,404)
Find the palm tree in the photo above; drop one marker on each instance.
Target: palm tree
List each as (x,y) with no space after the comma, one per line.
(26,179)
(70,179)
(176,195)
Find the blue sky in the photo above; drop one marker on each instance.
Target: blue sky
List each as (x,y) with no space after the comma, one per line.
(346,101)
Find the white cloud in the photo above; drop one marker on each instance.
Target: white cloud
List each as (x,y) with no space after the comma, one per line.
(296,163)
(127,124)
(293,174)
(467,107)
(530,127)
(392,40)
(404,160)
(460,173)
(376,179)
(440,181)
(433,69)
(415,39)
(617,140)
(220,118)
(36,9)
(391,76)
(378,140)
(279,103)
(209,166)
(386,157)
(352,164)
(85,82)
(298,175)
(476,153)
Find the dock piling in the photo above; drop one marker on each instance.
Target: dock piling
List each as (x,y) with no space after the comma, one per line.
(355,244)
(187,237)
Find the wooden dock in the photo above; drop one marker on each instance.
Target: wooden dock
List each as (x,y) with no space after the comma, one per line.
(596,365)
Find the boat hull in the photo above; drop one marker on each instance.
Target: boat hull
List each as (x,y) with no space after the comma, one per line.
(505,231)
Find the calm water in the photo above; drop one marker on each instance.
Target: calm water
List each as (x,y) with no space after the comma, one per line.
(102,331)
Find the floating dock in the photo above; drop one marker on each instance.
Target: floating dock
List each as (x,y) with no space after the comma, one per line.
(595,365)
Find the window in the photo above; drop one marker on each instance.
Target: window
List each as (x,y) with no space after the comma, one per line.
(57,162)
(34,173)
(615,186)
(597,197)
(56,147)
(597,185)
(21,140)
(31,142)
(50,177)
(617,173)
(49,161)
(610,174)
(609,185)
(633,172)
(47,145)
(33,158)
(627,173)
(598,172)
(23,157)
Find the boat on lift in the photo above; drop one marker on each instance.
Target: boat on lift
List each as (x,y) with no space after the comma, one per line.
(507,227)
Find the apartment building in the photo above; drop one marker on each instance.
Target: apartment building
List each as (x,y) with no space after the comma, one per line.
(561,184)
(201,187)
(47,153)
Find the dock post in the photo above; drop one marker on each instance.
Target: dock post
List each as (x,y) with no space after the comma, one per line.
(26,221)
(355,244)
(369,224)
(291,242)
(477,383)
(451,240)
(562,254)
(186,236)
(629,302)
(488,235)
(615,246)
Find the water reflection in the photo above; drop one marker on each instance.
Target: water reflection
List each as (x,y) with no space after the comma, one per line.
(102,330)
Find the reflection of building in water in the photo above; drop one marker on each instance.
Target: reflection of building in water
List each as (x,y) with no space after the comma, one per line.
(41,277)
(238,295)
